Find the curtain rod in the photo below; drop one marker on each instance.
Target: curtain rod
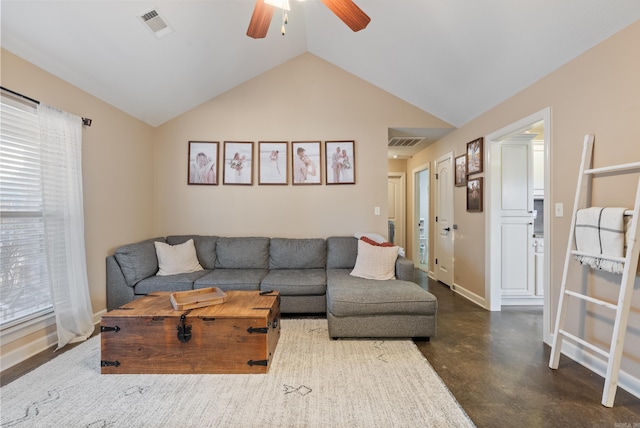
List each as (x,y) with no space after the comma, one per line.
(85,121)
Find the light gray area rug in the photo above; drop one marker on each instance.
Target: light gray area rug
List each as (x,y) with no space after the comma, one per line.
(313,382)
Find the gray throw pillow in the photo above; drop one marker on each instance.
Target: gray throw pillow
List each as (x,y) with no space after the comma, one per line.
(138,261)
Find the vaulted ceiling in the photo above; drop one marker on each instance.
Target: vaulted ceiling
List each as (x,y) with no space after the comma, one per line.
(454,59)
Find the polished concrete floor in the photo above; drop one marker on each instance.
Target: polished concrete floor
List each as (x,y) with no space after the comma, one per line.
(496,366)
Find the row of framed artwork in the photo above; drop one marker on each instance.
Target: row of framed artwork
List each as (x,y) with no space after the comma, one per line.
(468,164)
(273,161)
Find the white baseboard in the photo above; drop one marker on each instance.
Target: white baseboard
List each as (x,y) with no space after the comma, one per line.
(98,316)
(599,366)
(30,349)
(478,300)
(522,301)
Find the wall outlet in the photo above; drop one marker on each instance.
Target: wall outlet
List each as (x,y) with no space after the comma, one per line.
(376,210)
(559,209)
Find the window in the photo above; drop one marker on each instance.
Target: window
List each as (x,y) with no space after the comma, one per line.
(24,284)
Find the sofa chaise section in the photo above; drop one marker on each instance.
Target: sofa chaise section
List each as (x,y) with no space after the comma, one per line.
(359,307)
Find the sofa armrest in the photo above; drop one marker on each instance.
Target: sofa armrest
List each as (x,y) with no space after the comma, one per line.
(118,291)
(404,269)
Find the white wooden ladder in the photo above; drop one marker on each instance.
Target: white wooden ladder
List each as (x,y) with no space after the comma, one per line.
(630,262)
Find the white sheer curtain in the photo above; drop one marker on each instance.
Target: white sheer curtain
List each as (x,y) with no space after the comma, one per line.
(61,137)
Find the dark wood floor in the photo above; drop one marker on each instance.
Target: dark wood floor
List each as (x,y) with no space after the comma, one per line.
(496,366)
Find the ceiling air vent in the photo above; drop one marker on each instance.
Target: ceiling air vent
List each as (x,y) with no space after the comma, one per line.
(404,141)
(156,23)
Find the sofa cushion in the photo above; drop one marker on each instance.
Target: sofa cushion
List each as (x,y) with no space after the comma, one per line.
(180,282)
(296,282)
(341,252)
(297,253)
(205,247)
(138,261)
(242,253)
(232,279)
(176,259)
(375,262)
(352,296)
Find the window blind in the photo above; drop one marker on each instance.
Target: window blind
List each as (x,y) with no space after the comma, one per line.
(24,285)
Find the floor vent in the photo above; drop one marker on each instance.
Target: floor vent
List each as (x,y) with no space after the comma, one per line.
(404,141)
(156,23)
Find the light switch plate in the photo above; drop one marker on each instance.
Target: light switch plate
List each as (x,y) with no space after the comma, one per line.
(559,209)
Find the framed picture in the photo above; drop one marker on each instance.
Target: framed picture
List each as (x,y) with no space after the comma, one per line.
(238,163)
(306,160)
(340,162)
(474,195)
(461,171)
(272,162)
(203,163)
(474,156)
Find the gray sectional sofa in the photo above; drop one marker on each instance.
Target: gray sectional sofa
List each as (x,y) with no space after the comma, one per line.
(312,276)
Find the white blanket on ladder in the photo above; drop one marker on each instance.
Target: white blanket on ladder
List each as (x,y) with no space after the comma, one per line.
(601,232)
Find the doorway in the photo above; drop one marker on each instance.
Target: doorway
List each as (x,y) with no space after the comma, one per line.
(396,183)
(517,217)
(421,217)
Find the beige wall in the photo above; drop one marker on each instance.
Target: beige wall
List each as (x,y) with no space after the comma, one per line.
(397,165)
(117,170)
(304,99)
(597,93)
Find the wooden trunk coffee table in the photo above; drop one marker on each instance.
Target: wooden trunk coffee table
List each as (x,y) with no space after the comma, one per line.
(148,336)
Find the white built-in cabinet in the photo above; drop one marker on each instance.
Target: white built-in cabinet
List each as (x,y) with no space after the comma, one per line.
(522,264)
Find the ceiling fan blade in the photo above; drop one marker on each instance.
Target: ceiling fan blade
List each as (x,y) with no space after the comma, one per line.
(260,20)
(349,13)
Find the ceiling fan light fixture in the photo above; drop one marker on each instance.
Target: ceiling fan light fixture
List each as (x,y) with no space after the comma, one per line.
(280,4)
(346,10)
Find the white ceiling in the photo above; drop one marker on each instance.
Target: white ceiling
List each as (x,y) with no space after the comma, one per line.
(454,59)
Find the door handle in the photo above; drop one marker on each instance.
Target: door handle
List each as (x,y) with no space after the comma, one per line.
(448,229)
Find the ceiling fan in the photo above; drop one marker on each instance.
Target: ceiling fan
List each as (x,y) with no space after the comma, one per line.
(346,10)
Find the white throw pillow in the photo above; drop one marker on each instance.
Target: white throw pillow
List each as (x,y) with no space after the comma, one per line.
(374,262)
(175,259)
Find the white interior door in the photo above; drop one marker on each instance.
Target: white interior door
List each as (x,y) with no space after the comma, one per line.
(396,203)
(443,236)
